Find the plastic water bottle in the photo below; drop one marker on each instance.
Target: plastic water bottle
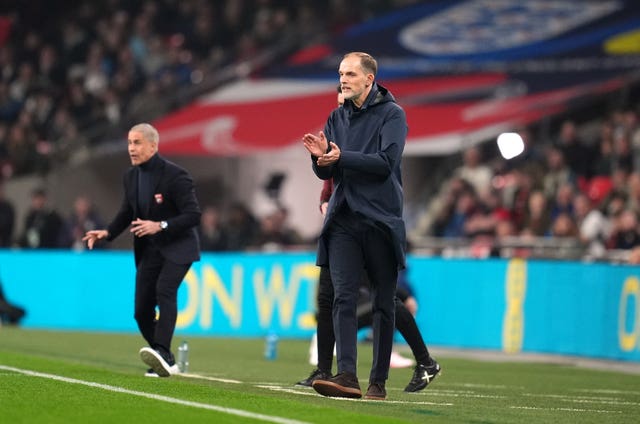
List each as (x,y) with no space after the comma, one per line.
(183,357)
(271,346)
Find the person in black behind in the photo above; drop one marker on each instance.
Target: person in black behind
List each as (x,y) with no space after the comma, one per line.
(43,226)
(9,313)
(161,210)
(7,219)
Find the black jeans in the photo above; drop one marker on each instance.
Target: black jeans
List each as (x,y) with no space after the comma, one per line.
(355,244)
(157,282)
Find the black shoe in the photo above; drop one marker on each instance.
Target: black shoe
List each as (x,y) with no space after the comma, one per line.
(151,373)
(422,376)
(376,391)
(316,374)
(154,359)
(344,384)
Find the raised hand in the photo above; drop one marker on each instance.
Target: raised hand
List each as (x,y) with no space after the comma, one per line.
(316,145)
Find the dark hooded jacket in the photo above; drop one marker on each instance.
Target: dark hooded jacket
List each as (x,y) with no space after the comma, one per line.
(367,177)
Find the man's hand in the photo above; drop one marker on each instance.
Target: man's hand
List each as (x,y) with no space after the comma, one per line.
(94,235)
(323,208)
(331,157)
(412,305)
(143,228)
(316,145)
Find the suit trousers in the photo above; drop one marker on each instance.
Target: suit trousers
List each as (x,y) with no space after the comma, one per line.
(354,244)
(157,282)
(405,324)
(324,318)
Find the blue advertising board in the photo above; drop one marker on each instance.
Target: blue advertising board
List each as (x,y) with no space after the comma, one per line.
(570,308)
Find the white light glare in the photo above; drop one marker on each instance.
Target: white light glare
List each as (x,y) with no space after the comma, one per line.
(510,145)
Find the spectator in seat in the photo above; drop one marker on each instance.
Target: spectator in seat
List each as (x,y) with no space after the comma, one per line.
(43,226)
(213,235)
(474,171)
(538,217)
(7,219)
(593,226)
(625,234)
(576,153)
(84,217)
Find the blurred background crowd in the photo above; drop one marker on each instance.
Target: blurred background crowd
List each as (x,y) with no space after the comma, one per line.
(75,76)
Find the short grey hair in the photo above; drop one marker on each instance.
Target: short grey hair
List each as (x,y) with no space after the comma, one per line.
(148,132)
(367,62)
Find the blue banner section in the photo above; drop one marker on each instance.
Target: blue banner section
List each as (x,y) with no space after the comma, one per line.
(516,306)
(594,39)
(530,306)
(249,295)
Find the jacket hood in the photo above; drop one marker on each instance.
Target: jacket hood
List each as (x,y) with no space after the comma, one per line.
(378,95)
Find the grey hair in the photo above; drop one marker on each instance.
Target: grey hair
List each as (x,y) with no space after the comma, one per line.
(148,132)
(368,63)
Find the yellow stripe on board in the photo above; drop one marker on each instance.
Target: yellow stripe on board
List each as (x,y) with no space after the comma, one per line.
(516,288)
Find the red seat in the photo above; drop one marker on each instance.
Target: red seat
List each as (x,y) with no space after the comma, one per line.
(599,188)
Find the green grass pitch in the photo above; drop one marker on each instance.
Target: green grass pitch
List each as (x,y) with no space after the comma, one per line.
(81,377)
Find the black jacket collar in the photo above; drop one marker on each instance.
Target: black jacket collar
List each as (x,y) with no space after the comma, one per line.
(152,164)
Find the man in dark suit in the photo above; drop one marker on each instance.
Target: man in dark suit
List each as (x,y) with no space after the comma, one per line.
(361,149)
(161,210)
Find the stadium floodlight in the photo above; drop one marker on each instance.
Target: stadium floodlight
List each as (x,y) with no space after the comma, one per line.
(510,145)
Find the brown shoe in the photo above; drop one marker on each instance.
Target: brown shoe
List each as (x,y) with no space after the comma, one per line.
(376,391)
(344,384)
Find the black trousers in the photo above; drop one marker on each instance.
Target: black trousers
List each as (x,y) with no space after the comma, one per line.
(157,282)
(405,324)
(355,244)
(9,312)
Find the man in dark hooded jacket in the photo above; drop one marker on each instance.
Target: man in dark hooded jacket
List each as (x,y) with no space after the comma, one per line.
(361,149)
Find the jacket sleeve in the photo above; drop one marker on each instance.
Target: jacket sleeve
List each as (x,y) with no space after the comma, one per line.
(182,190)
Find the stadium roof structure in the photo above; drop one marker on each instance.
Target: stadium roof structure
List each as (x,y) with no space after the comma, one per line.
(464,71)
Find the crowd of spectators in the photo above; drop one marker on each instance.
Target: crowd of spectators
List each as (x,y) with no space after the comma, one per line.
(74,74)
(234,228)
(583,191)
(592,204)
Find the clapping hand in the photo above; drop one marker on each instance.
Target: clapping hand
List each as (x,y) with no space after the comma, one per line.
(317,145)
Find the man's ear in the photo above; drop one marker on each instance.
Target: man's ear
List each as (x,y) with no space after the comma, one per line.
(370,78)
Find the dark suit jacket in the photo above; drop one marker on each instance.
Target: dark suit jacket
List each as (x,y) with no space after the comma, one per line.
(173,200)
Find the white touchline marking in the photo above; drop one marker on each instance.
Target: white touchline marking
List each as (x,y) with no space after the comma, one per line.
(565,409)
(204,377)
(485,386)
(609,391)
(312,393)
(584,399)
(230,411)
(464,395)
(282,389)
